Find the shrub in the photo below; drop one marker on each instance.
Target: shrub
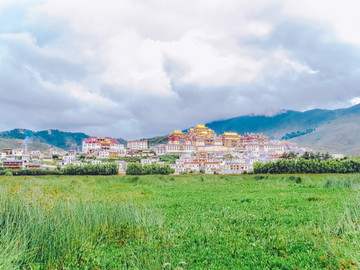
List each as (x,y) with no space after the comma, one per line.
(138,169)
(9,173)
(307,166)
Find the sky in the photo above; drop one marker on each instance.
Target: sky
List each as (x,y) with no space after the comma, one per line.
(141,68)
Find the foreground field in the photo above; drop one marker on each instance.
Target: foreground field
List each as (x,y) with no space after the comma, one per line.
(183,222)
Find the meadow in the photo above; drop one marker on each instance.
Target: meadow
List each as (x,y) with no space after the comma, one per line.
(180,222)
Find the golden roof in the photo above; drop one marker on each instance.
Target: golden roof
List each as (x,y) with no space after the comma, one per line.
(231,134)
(200,126)
(177,131)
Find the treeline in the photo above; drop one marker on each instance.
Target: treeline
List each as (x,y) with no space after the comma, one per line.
(138,169)
(306,155)
(307,166)
(297,134)
(100,169)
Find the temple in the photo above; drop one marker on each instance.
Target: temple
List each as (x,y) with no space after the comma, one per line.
(97,144)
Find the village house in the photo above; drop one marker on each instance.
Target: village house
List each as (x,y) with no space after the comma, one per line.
(25,157)
(146,161)
(69,159)
(193,167)
(96,144)
(103,154)
(17,152)
(53,151)
(13,164)
(178,167)
(46,156)
(8,151)
(211,167)
(33,165)
(35,154)
(137,144)
(235,167)
(96,162)
(160,149)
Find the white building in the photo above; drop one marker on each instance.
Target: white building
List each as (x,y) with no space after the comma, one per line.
(192,167)
(178,167)
(160,149)
(69,159)
(211,167)
(25,157)
(274,148)
(95,144)
(103,154)
(53,151)
(146,161)
(174,148)
(252,147)
(2,155)
(17,152)
(35,154)
(96,162)
(137,144)
(235,167)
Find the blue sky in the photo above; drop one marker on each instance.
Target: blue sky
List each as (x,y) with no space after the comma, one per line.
(136,68)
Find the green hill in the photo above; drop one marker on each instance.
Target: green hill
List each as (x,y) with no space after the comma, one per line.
(335,130)
(43,140)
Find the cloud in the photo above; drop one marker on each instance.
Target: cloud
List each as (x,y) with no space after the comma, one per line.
(142,68)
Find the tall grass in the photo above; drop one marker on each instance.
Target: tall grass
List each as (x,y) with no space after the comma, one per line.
(180,222)
(52,231)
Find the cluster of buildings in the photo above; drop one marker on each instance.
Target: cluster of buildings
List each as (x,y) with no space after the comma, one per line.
(202,150)
(199,149)
(19,158)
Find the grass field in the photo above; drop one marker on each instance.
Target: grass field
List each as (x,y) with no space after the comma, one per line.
(180,222)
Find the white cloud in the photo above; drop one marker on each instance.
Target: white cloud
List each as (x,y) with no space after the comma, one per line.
(355,101)
(155,65)
(342,16)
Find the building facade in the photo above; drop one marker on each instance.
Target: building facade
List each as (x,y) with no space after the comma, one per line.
(96,144)
(137,144)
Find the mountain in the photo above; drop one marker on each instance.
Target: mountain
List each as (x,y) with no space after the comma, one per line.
(326,130)
(43,140)
(334,130)
(17,143)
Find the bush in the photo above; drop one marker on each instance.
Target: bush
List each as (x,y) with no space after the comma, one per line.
(138,169)
(9,173)
(99,169)
(307,166)
(103,169)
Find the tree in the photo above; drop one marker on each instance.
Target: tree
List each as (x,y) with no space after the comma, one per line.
(134,169)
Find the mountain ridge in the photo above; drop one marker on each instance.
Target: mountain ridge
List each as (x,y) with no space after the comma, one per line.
(45,139)
(334,130)
(318,128)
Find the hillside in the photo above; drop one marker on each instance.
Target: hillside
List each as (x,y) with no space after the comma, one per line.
(31,145)
(43,140)
(334,130)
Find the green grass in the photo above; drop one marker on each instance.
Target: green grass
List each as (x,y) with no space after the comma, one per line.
(180,222)
(169,158)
